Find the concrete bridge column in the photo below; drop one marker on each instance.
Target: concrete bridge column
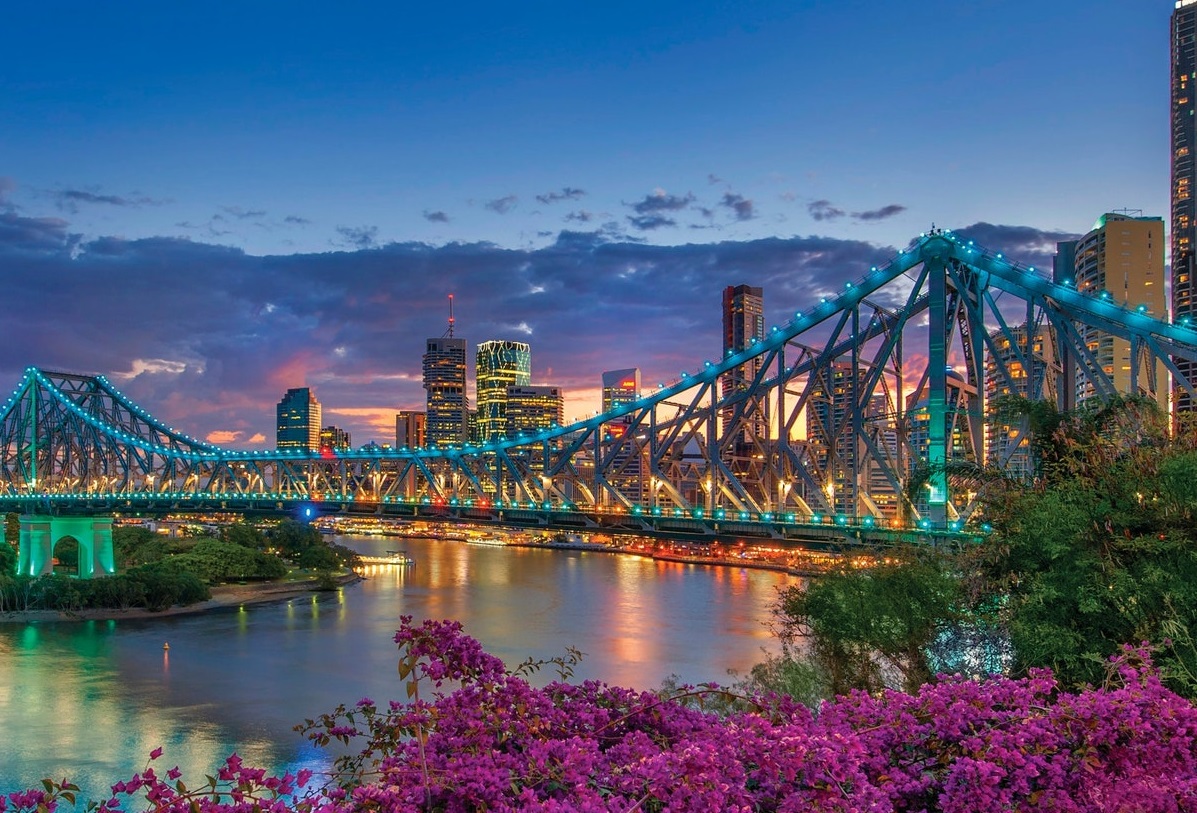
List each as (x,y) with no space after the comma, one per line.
(39,535)
(36,554)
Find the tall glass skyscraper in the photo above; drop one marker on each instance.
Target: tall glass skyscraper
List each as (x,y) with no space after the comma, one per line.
(743,326)
(620,387)
(1184,175)
(447,411)
(500,364)
(298,420)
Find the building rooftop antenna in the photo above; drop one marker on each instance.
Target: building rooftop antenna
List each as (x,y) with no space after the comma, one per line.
(451,320)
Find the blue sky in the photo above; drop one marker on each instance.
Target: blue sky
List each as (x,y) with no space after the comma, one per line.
(275,194)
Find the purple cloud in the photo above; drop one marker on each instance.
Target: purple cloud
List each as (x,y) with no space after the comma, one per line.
(824,210)
(566,193)
(502,205)
(879,214)
(661,201)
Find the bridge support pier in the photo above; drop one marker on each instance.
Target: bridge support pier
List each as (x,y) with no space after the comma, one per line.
(39,535)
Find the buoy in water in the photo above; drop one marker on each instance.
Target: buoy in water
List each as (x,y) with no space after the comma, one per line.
(166,647)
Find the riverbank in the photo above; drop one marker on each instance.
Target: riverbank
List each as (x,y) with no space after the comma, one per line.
(224,596)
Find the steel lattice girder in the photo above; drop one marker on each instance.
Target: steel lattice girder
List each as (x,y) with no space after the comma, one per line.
(872,413)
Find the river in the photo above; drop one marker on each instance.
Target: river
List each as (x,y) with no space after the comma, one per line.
(89,700)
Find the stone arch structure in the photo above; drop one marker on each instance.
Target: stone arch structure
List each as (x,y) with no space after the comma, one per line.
(39,535)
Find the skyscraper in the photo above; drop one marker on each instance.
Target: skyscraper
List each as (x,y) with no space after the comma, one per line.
(1184,176)
(411,429)
(298,420)
(447,420)
(620,387)
(533,408)
(743,326)
(1006,445)
(500,364)
(1122,255)
(335,439)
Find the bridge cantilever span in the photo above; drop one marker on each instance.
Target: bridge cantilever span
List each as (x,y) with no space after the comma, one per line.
(847,402)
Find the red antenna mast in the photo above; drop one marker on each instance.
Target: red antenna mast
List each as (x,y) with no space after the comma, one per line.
(450,316)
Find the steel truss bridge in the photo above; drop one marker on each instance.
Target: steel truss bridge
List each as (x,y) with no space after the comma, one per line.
(816,437)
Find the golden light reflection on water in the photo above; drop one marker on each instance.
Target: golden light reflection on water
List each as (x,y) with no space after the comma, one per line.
(91,700)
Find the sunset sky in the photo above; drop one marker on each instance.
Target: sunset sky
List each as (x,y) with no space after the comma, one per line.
(212,205)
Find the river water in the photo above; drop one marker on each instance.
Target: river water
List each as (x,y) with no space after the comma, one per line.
(89,700)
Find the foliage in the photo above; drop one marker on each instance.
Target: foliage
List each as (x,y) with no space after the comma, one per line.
(12,528)
(873,627)
(8,559)
(1102,550)
(215,562)
(152,587)
(303,545)
(494,742)
(244,534)
(135,546)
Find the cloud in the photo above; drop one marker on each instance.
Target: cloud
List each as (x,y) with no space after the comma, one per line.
(740,205)
(651,222)
(359,237)
(42,234)
(580,216)
(223,437)
(566,193)
(68,200)
(823,210)
(243,214)
(880,214)
(502,205)
(713,179)
(661,201)
(436,217)
(296,220)
(7,185)
(212,345)
(1027,244)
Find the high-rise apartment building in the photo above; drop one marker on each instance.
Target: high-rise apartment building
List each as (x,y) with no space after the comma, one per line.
(743,326)
(447,412)
(1124,256)
(298,420)
(410,429)
(335,439)
(530,409)
(621,387)
(1030,372)
(1184,177)
(499,364)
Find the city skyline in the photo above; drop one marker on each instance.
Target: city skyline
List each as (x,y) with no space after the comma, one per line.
(247,219)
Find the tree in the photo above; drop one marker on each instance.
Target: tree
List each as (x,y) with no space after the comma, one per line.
(214,562)
(12,542)
(244,534)
(1102,551)
(868,628)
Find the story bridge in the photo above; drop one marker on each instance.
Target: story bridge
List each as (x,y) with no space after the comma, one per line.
(816,441)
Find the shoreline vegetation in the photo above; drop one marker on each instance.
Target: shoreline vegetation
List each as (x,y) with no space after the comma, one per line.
(224,597)
(228,596)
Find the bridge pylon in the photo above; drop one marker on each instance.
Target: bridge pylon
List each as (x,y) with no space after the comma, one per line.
(40,534)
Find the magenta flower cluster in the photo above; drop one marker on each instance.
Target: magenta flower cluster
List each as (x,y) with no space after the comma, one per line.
(486,739)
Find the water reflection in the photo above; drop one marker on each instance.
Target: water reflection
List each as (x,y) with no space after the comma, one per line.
(90,700)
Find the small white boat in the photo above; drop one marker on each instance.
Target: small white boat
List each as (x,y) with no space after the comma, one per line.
(393,557)
(487,540)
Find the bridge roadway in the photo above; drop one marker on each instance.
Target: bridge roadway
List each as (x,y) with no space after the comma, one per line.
(819,532)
